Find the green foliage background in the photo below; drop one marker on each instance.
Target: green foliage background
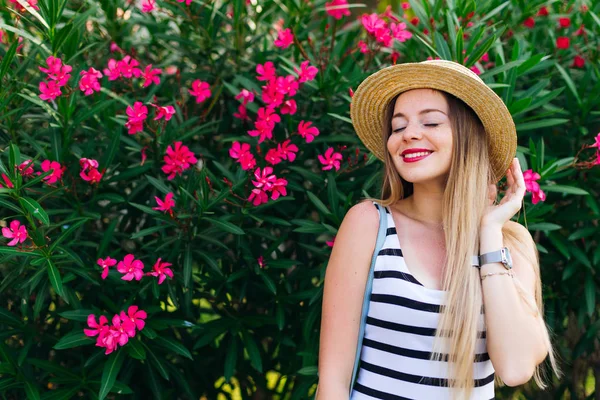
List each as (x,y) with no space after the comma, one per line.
(224,327)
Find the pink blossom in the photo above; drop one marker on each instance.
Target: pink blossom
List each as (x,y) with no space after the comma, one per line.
(177,160)
(384,37)
(131,268)
(242,113)
(238,149)
(137,115)
(264,179)
(161,270)
(279,188)
(119,331)
(337,8)
(268,116)
(265,72)
(261,261)
(372,23)
(273,157)
(97,328)
(115,47)
(532,186)
(246,96)
(7,182)
(21,9)
(128,67)
(289,107)
(91,175)
(187,2)
(287,85)
(475,69)
(284,38)
(88,83)
(287,151)
(330,242)
(113,72)
(201,90)
(165,205)
(16,232)
(399,32)
(148,6)
(258,196)
(166,112)
(306,72)
(330,160)
(106,264)
(134,319)
(49,91)
(271,95)
(364,48)
(307,131)
(247,161)
(57,171)
(26,168)
(57,71)
(405,5)
(151,76)
(262,130)
(143,152)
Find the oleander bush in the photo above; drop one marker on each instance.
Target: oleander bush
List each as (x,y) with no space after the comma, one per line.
(173,174)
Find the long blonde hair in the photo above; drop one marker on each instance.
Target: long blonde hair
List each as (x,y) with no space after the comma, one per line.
(464,203)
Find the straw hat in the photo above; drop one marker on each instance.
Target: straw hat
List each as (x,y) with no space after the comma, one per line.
(376,91)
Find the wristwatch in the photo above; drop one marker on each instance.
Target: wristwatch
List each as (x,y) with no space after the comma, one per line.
(501,256)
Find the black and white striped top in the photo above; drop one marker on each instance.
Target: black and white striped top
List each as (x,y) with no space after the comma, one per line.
(401,324)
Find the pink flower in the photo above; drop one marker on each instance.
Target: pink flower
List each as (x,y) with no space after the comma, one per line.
(238,149)
(88,83)
(306,72)
(279,188)
(247,161)
(399,32)
(26,168)
(49,91)
(97,328)
(273,157)
(405,5)
(532,186)
(201,90)
(161,270)
(562,42)
(330,160)
(166,205)
(287,151)
(264,179)
(151,76)
(137,115)
(284,38)
(128,67)
(16,232)
(337,8)
(246,96)
(331,242)
(120,331)
(115,47)
(106,264)
(177,160)
(113,72)
(564,22)
(57,71)
(148,6)
(307,131)
(372,23)
(289,107)
(7,182)
(287,85)
(166,112)
(261,261)
(268,116)
(242,113)
(529,22)
(597,139)
(187,2)
(57,171)
(271,95)
(262,130)
(364,48)
(265,72)
(131,267)
(475,69)
(257,197)
(21,9)
(134,319)
(578,62)
(89,170)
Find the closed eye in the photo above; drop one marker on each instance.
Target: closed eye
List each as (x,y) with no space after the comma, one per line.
(399,129)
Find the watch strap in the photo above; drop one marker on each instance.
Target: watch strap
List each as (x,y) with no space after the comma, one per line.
(498,256)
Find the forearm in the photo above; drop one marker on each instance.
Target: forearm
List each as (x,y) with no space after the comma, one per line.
(514,335)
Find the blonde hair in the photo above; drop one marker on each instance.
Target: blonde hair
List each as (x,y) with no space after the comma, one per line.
(463,205)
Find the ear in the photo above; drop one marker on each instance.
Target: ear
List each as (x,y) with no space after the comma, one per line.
(492,193)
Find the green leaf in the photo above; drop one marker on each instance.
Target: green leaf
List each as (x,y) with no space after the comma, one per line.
(68,232)
(148,231)
(226,226)
(8,58)
(340,117)
(135,349)
(308,371)
(73,339)
(527,126)
(54,368)
(9,318)
(110,372)
(569,82)
(230,359)
(441,46)
(544,226)
(590,294)
(55,279)
(187,266)
(173,346)
(31,390)
(76,315)
(269,282)
(156,362)
(318,203)
(563,189)
(253,351)
(157,183)
(34,209)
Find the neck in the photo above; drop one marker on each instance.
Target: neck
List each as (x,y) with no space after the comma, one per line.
(426,204)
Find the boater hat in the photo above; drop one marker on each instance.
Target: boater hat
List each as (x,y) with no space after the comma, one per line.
(376,91)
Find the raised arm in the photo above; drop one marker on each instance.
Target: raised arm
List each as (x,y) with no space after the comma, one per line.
(345,281)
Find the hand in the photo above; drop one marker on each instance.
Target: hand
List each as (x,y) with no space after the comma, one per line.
(498,214)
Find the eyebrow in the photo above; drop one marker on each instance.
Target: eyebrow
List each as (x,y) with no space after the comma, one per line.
(428,110)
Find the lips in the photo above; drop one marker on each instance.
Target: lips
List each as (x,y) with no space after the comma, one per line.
(416,156)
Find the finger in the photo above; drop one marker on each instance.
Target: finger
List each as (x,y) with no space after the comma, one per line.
(520,180)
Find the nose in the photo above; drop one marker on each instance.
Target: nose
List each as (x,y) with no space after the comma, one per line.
(412,132)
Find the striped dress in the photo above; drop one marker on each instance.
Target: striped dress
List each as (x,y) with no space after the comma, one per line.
(401,324)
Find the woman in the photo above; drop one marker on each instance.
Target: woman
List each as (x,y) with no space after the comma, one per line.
(446,139)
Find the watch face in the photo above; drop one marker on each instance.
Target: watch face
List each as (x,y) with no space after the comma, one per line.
(508,257)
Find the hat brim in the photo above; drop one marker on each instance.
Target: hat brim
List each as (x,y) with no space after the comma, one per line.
(376,91)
